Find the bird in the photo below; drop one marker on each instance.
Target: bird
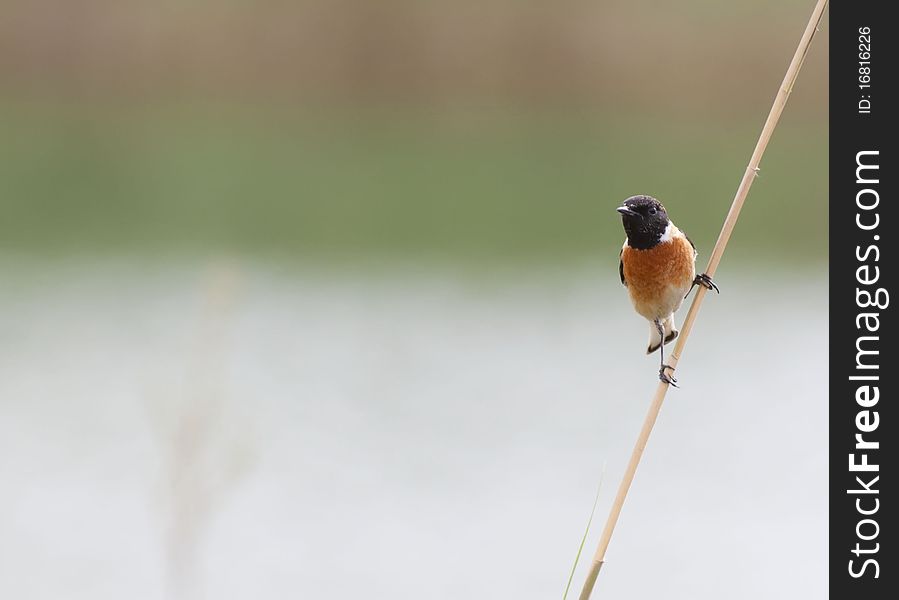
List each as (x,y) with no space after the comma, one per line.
(657,265)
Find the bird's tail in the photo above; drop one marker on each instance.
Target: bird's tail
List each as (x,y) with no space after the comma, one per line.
(655,340)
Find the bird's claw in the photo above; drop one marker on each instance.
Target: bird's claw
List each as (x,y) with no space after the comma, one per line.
(706,282)
(663,376)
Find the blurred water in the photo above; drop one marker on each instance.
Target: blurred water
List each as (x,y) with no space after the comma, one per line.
(247,432)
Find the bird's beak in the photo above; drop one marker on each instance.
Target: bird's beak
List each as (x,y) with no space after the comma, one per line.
(624,210)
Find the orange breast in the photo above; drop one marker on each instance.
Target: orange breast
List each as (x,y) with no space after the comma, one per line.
(658,278)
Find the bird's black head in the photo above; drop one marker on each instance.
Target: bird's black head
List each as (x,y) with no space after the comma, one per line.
(645,221)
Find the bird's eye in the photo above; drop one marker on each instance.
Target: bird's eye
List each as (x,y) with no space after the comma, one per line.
(652,211)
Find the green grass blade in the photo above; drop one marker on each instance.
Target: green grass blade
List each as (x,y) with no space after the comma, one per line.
(586,531)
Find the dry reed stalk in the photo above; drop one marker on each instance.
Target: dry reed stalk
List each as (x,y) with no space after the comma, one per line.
(742,191)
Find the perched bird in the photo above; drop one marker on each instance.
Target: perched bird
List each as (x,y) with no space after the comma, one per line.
(658,267)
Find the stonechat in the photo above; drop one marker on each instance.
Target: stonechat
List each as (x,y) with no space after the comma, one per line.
(657,264)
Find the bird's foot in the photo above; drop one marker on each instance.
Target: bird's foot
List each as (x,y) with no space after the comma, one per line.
(663,376)
(706,282)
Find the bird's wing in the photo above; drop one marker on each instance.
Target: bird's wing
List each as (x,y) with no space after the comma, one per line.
(621,268)
(695,253)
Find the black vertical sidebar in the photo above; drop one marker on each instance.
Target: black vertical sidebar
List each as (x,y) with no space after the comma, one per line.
(864,372)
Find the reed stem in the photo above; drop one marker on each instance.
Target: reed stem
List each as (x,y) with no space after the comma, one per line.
(658,398)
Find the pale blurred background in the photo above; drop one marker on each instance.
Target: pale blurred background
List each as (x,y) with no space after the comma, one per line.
(320,299)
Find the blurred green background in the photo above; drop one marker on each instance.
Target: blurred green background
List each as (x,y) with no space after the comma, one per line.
(466,132)
(320,298)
